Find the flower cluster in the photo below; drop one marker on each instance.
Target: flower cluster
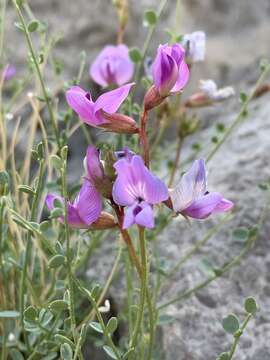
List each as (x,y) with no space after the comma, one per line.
(133,189)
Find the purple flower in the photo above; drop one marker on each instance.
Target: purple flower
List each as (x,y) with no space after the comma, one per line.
(137,189)
(170,72)
(190,197)
(93,166)
(85,209)
(112,66)
(102,112)
(9,72)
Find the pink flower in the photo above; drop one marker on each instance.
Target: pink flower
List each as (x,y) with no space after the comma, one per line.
(112,66)
(102,112)
(191,198)
(138,190)
(9,72)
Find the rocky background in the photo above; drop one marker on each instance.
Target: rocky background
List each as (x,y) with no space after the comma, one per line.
(237,37)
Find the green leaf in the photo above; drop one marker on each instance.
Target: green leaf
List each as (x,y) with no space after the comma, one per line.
(224,356)
(241,233)
(58,305)
(109,351)
(9,314)
(26,189)
(96,326)
(33,26)
(56,261)
(112,325)
(149,18)
(56,212)
(129,352)
(230,324)
(66,352)
(251,306)
(15,354)
(135,55)
(243,97)
(30,314)
(56,162)
(61,339)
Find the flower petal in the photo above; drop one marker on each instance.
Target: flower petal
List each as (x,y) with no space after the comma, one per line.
(80,101)
(135,181)
(191,186)
(129,218)
(183,77)
(49,200)
(164,70)
(223,206)
(111,100)
(145,217)
(88,203)
(203,207)
(93,165)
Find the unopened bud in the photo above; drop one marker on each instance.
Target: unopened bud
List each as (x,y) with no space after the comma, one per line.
(152,98)
(199,99)
(105,221)
(119,123)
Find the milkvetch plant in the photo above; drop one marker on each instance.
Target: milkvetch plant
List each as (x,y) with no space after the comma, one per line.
(51,228)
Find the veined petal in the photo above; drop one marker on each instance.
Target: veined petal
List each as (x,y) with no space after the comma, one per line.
(111,100)
(149,187)
(88,203)
(204,206)
(191,186)
(74,219)
(80,101)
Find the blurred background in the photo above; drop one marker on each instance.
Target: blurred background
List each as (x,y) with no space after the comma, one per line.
(237,31)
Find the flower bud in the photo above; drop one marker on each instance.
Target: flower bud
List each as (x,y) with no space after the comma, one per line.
(152,98)
(95,172)
(105,221)
(119,123)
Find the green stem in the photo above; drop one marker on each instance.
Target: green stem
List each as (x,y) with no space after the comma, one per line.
(238,335)
(139,319)
(100,319)
(239,118)
(26,259)
(219,272)
(199,244)
(106,286)
(38,71)
(68,248)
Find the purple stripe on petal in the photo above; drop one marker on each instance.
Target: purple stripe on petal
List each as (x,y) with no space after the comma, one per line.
(145,217)
(129,218)
(111,100)
(203,207)
(74,219)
